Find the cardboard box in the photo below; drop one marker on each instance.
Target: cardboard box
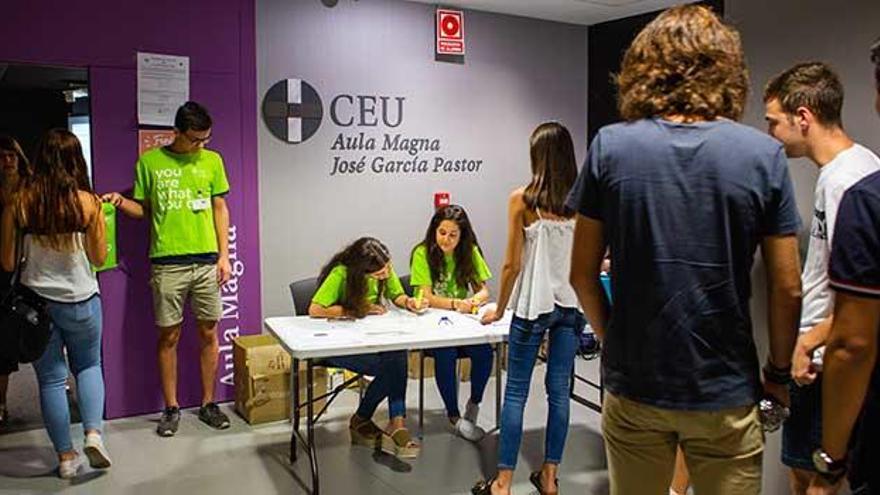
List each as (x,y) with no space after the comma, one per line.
(262,380)
(413,366)
(464,366)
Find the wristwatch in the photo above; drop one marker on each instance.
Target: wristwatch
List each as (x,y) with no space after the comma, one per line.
(827,467)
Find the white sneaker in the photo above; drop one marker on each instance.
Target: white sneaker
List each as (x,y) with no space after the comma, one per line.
(468,430)
(96,452)
(68,468)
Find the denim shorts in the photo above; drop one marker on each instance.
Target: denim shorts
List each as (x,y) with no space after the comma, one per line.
(802,431)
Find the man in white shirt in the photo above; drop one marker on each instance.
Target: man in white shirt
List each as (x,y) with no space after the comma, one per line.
(803,108)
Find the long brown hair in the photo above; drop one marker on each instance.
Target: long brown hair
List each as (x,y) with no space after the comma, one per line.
(465,271)
(685,62)
(553,169)
(360,258)
(48,202)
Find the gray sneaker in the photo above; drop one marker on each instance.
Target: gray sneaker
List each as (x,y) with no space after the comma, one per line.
(168,422)
(211,415)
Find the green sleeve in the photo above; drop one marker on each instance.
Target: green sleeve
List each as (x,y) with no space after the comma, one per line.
(419,270)
(330,291)
(480,266)
(141,181)
(393,287)
(219,184)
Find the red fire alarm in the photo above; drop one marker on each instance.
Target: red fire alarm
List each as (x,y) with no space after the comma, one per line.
(441,199)
(450,32)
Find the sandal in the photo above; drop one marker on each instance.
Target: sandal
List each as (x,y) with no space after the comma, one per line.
(399,443)
(535,478)
(365,432)
(484,487)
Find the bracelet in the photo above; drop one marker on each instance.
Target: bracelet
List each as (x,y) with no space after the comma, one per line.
(778,376)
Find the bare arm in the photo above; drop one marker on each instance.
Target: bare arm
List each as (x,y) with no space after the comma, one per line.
(131,208)
(802,369)
(221,228)
(96,235)
(318,311)
(587,254)
(7,240)
(849,360)
(513,254)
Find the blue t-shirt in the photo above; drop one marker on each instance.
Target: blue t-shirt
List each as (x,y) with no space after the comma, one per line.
(684,208)
(855,268)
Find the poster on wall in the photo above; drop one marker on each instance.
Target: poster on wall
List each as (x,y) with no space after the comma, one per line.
(450,32)
(153,138)
(162,87)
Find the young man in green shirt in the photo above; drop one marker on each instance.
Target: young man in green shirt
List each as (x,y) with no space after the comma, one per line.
(181,189)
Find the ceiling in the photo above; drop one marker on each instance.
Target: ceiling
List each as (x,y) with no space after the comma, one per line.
(571,11)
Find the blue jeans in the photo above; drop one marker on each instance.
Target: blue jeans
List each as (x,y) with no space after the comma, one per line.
(76,327)
(563,325)
(447,380)
(389,372)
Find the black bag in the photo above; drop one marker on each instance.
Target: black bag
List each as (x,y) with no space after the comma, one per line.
(24,321)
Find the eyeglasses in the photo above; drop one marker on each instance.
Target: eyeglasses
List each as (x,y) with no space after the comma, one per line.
(197,140)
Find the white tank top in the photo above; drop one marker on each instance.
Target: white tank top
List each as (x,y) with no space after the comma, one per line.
(543,281)
(58,276)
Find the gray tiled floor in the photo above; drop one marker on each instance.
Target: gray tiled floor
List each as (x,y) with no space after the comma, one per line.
(251,461)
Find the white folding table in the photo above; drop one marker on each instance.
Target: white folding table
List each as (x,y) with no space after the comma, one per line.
(311,339)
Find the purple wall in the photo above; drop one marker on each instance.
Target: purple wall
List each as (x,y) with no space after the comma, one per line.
(103,35)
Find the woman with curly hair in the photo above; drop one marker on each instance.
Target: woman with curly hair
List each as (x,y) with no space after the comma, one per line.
(684,195)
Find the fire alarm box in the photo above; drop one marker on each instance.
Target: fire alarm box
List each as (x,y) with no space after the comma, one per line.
(441,199)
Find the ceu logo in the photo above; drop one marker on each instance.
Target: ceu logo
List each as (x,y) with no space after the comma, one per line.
(292,110)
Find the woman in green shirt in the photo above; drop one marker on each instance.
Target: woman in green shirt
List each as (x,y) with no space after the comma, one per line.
(446,267)
(353,284)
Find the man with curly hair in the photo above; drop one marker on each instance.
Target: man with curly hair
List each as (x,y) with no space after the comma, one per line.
(685,195)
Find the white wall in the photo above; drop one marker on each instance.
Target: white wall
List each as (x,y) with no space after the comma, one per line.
(777,34)
(517,73)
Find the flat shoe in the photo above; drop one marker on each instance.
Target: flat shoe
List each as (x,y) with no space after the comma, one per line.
(535,478)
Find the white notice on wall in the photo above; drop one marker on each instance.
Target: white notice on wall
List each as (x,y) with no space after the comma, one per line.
(163,85)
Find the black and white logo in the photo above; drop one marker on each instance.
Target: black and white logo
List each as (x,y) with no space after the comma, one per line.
(292,110)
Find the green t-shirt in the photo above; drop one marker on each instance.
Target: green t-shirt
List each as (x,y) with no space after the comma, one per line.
(333,288)
(447,285)
(179,190)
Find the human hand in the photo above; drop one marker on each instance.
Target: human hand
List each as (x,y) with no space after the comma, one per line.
(491,316)
(377,309)
(802,369)
(821,486)
(224,270)
(779,392)
(465,306)
(416,305)
(114,198)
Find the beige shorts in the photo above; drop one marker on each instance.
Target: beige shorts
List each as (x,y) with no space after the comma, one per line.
(723,449)
(173,284)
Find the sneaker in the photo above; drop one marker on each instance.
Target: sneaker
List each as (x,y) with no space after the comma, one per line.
(211,415)
(471,411)
(68,468)
(94,449)
(468,430)
(168,422)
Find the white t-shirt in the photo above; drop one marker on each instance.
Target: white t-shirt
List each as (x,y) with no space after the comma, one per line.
(847,168)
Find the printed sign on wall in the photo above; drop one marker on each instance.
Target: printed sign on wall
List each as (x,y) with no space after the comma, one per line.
(450,32)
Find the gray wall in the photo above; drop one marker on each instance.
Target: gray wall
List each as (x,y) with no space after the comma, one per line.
(777,35)
(517,73)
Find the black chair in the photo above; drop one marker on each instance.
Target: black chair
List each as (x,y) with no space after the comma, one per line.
(302,292)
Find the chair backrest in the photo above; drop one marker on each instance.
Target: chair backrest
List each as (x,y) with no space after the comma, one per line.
(404,281)
(302,292)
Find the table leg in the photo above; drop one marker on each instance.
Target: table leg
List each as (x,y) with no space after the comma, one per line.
(294,394)
(421,393)
(499,348)
(310,427)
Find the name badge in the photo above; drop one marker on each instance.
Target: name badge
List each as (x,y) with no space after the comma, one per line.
(200,204)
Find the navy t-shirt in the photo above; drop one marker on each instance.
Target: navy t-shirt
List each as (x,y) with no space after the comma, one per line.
(684,208)
(855,268)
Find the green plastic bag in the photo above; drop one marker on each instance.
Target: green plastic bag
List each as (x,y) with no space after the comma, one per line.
(110,219)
